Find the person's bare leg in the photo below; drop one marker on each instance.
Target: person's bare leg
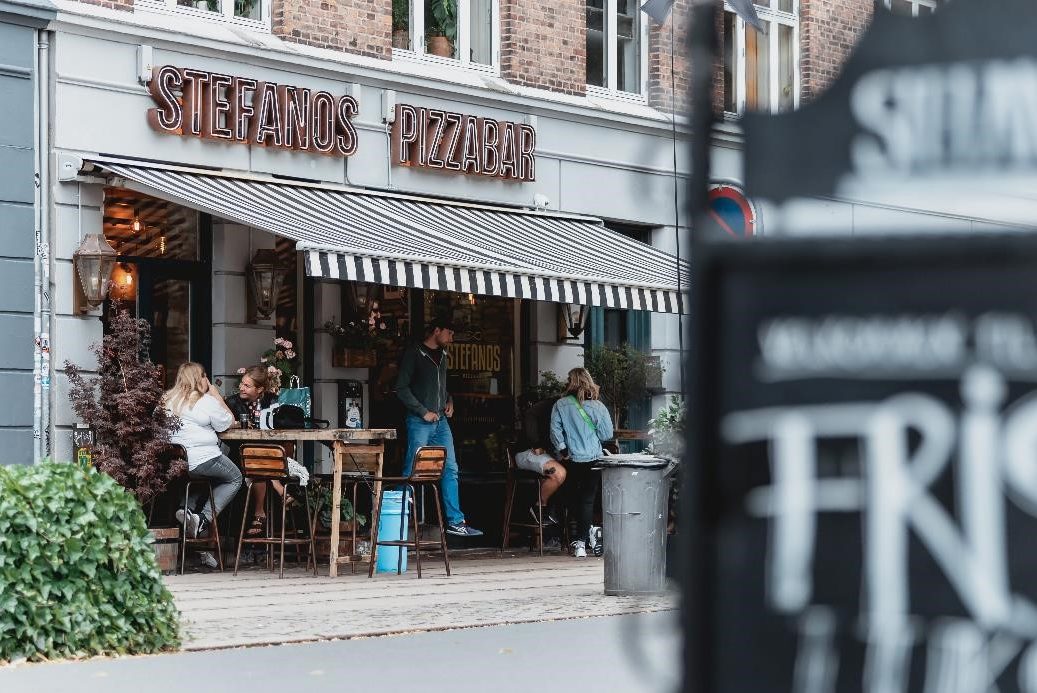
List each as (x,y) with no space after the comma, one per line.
(554,477)
(259,499)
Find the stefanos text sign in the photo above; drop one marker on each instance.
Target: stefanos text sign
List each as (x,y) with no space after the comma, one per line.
(440,140)
(248,111)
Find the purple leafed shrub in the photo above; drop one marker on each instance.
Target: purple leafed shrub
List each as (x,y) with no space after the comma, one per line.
(123,406)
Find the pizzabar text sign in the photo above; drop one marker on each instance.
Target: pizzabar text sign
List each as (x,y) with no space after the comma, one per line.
(215,106)
(441,140)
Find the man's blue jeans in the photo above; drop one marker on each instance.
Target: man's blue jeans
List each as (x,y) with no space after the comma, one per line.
(421,432)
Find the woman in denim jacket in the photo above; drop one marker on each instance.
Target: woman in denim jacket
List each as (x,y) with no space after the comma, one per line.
(579,425)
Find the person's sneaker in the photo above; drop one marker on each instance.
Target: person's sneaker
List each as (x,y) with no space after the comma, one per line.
(461,529)
(203,526)
(206,559)
(192,522)
(579,549)
(552,544)
(549,518)
(594,541)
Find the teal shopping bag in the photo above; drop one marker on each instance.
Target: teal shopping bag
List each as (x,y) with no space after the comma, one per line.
(296,395)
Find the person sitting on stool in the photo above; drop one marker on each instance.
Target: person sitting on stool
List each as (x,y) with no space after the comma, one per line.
(540,457)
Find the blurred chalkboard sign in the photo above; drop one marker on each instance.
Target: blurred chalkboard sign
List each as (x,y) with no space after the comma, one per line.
(866,453)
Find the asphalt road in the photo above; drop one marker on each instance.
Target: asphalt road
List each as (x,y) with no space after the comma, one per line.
(597,654)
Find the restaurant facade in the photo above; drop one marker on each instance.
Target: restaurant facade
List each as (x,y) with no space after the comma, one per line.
(380,193)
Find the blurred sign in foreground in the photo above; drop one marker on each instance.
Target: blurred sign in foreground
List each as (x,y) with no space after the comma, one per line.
(871,509)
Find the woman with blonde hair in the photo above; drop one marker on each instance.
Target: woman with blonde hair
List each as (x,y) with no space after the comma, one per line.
(580,423)
(203,414)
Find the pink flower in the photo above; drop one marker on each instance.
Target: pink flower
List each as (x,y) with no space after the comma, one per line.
(242,371)
(262,359)
(278,341)
(286,344)
(370,321)
(381,326)
(290,354)
(280,354)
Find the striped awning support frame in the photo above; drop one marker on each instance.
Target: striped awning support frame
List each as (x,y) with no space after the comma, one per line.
(400,240)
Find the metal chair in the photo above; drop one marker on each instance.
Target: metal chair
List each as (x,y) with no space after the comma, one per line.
(262,463)
(429,461)
(515,478)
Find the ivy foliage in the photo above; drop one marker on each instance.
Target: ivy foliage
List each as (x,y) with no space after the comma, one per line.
(77,572)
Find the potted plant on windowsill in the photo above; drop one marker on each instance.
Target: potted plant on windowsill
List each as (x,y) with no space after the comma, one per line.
(401,24)
(441,28)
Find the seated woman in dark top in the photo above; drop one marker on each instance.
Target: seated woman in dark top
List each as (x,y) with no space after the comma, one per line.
(254,395)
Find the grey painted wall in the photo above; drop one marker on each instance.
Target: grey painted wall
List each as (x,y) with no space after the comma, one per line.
(17,241)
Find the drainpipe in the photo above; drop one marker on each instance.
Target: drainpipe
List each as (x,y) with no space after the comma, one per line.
(41,374)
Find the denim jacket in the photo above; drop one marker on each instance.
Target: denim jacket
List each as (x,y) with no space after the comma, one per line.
(572,435)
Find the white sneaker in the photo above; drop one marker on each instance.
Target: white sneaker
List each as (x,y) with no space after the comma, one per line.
(207,559)
(594,544)
(579,549)
(193,521)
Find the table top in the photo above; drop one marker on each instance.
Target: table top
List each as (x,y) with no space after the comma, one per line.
(343,434)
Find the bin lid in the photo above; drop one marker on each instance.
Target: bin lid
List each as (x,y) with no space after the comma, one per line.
(636,460)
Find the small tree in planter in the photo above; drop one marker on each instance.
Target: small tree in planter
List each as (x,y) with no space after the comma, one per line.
(623,373)
(122,405)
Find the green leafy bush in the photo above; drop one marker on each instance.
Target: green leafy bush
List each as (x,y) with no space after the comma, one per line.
(77,572)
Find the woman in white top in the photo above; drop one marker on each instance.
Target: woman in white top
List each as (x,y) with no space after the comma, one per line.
(203,414)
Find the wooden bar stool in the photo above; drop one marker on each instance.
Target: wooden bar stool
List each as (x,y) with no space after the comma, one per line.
(211,541)
(517,477)
(262,463)
(429,461)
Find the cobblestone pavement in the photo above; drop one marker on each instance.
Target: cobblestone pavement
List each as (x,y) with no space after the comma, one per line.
(220,610)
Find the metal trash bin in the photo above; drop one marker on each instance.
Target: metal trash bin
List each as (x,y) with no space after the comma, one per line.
(635,491)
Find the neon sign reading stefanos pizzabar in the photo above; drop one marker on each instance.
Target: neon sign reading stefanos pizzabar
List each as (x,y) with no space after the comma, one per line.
(238,109)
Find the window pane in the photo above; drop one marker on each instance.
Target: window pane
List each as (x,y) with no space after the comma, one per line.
(597,62)
(401,10)
(902,7)
(210,5)
(482,31)
(253,9)
(757,70)
(730,24)
(628,49)
(786,74)
(141,226)
(441,27)
(783,5)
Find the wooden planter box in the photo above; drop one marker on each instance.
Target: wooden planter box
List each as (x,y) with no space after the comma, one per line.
(353,358)
(167,546)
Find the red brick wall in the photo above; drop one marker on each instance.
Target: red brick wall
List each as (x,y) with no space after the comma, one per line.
(829,30)
(659,82)
(543,45)
(111,4)
(363,27)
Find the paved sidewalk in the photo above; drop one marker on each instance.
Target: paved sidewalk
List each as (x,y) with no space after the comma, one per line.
(254,608)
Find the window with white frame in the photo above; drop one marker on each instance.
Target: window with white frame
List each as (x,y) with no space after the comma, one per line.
(913,8)
(615,46)
(251,13)
(761,70)
(461,30)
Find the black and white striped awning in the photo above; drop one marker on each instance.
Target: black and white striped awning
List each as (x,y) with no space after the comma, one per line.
(432,244)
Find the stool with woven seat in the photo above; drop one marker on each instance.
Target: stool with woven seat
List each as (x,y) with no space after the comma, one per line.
(262,463)
(517,477)
(429,461)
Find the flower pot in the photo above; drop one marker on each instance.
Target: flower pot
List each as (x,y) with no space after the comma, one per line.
(401,39)
(166,544)
(440,45)
(354,358)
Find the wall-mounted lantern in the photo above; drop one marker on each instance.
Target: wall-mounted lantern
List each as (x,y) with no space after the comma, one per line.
(93,262)
(361,293)
(574,320)
(265,276)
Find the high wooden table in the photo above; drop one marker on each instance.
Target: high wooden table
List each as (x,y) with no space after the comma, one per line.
(364,448)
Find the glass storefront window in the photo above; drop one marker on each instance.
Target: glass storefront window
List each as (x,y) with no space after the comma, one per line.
(136,225)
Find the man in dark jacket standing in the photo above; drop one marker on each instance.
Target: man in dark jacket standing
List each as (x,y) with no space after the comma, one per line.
(421,386)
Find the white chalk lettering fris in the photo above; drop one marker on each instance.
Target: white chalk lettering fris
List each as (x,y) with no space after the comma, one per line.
(983,444)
